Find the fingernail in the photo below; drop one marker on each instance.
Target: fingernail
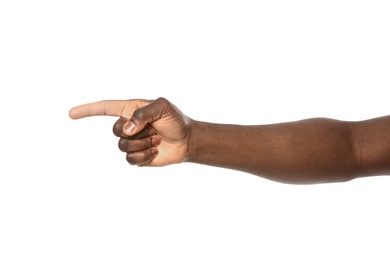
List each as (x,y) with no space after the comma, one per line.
(129,127)
(153,152)
(155,141)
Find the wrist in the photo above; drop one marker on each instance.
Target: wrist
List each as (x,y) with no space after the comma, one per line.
(204,142)
(193,138)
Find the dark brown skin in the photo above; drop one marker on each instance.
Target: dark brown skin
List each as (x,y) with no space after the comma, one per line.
(317,150)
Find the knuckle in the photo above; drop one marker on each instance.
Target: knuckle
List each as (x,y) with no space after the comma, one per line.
(162,100)
(122,144)
(117,130)
(139,114)
(118,127)
(131,159)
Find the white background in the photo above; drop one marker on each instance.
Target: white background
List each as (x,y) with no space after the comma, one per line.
(66,191)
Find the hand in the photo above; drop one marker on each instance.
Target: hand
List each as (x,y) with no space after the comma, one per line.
(152,133)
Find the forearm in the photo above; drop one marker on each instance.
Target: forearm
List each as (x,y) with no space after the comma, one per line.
(307,151)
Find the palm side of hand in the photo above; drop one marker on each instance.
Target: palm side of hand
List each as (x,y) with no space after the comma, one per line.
(162,119)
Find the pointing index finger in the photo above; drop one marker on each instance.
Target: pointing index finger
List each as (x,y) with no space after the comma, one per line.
(121,108)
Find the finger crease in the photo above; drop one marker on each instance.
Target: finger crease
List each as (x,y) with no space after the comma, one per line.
(123,108)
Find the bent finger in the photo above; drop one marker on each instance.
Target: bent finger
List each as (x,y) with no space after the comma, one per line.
(118,130)
(127,145)
(142,157)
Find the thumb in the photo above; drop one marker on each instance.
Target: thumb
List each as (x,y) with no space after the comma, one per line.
(144,115)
